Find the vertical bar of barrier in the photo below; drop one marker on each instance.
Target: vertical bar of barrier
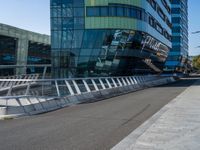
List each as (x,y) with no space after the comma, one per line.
(120,84)
(95,85)
(102,85)
(7,83)
(131,80)
(27,89)
(124,81)
(69,87)
(10,89)
(57,88)
(127,81)
(86,86)
(76,87)
(109,85)
(44,72)
(2,83)
(114,82)
(134,79)
(18,82)
(137,79)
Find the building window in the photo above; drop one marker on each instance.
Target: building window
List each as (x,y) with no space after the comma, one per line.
(159,28)
(116,11)
(93,11)
(161,13)
(112,11)
(103,11)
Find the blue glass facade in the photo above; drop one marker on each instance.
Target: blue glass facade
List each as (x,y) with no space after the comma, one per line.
(178,56)
(91,39)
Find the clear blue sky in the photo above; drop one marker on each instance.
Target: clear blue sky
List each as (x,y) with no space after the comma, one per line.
(34,15)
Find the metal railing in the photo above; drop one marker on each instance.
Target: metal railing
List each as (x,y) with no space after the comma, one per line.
(43,72)
(30,85)
(9,84)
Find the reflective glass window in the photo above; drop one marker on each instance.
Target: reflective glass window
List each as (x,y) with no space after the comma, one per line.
(93,11)
(112,11)
(78,12)
(103,11)
(120,11)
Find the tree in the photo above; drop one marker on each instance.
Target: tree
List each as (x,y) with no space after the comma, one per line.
(196,62)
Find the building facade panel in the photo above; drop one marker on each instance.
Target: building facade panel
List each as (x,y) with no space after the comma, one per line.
(19,47)
(179,51)
(109,37)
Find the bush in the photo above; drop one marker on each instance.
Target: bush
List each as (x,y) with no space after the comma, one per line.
(196,62)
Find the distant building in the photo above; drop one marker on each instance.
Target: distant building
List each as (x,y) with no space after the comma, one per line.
(20,48)
(109,37)
(178,56)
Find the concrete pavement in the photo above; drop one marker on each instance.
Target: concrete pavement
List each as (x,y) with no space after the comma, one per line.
(175,127)
(92,126)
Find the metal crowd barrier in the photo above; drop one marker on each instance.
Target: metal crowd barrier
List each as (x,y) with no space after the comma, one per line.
(11,82)
(30,95)
(30,85)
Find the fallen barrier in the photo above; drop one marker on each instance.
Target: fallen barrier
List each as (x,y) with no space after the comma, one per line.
(51,94)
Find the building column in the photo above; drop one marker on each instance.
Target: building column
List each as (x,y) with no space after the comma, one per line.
(22,55)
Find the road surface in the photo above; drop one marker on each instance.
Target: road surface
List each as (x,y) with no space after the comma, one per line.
(91,126)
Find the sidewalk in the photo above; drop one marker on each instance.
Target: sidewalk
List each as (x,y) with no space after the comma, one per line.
(175,127)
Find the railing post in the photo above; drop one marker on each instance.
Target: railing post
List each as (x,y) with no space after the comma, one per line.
(18,82)
(76,87)
(123,81)
(102,85)
(137,79)
(120,84)
(2,83)
(114,82)
(69,87)
(6,83)
(95,85)
(128,81)
(131,80)
(142,79)
(28,89)
(10,89)
(134,79)
(10,82)
(44,72)
(25,77)
(109,85)
(86,86)
(57,88)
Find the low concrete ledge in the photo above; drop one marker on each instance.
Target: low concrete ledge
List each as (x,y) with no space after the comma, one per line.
(36,105)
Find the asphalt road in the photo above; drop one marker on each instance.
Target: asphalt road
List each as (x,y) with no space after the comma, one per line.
(92,126)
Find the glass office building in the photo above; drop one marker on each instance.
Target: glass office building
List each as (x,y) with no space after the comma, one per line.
(109,37)
(178,56)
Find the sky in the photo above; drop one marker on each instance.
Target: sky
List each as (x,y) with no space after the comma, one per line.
(34,15)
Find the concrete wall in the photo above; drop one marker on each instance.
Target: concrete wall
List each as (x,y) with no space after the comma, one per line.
(23,37)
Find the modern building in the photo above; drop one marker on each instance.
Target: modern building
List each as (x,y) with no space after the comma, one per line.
(109,37)
(178,56)
(19,47)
